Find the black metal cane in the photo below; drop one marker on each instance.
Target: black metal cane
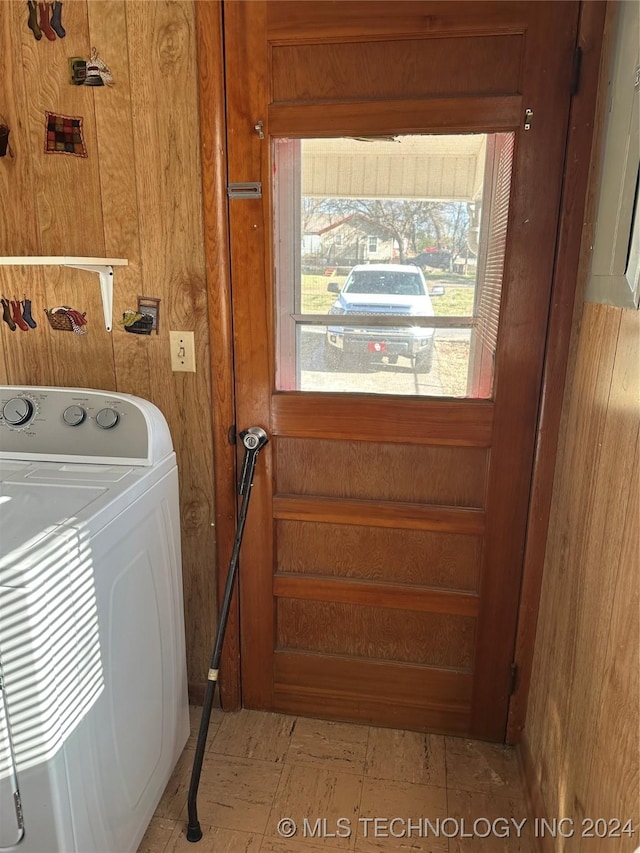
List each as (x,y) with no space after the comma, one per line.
(253,439)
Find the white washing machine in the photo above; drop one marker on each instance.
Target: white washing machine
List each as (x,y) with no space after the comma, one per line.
(93,699)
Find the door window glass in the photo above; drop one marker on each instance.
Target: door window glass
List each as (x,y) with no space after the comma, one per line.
(389,257)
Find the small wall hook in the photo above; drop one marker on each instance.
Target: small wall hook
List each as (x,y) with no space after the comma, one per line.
(5,145)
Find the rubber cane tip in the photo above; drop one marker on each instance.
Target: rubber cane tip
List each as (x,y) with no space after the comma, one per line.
(194,833)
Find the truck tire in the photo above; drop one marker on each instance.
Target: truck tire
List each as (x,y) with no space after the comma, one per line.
(423,361)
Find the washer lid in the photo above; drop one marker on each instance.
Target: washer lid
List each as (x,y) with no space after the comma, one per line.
(29,514)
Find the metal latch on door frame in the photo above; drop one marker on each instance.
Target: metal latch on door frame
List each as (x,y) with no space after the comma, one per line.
(252,189)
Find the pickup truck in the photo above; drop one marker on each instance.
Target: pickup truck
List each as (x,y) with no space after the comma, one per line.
(381,290)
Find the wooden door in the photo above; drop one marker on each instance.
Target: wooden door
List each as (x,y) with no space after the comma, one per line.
(381,566)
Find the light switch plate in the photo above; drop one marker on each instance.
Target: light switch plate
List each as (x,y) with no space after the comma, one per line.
(183,351)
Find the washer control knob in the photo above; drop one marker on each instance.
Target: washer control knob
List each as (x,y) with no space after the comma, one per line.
(107,418)
(18,411)
(74,415)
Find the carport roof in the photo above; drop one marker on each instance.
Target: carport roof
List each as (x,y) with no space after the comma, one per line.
(432,168)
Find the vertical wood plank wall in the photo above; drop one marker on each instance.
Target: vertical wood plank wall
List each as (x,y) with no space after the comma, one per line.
(136,196)
(583,726)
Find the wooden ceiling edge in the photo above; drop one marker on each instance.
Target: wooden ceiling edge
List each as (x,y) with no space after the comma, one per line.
(588,105)
(216,242)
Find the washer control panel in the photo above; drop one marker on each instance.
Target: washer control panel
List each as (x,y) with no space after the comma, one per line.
(79,424)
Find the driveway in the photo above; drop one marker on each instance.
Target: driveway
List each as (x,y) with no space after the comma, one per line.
(447,376)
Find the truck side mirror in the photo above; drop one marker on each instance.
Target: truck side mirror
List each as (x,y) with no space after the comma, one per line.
(333,287)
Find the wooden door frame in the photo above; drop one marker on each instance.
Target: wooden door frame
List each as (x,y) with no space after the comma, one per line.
(562,317)
(571,268)
(213,145)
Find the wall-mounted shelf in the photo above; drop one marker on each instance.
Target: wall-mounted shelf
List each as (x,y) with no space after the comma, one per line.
(102,266)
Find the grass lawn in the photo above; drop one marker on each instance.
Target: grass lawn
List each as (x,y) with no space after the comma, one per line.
(442,277)
(316,299)
(457,300)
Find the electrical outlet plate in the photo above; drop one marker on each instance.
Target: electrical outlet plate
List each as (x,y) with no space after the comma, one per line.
(183,351)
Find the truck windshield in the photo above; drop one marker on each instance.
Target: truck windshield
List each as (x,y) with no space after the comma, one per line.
(385,283)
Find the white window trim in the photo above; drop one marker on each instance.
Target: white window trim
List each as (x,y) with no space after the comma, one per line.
(615,270)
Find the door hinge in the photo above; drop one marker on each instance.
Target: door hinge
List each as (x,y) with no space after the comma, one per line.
(251,189)
(513,679)
(231,434)
(577,68)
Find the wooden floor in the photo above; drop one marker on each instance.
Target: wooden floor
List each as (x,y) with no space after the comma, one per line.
(260,768)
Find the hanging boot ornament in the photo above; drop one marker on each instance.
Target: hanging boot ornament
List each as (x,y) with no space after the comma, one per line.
(43,22)
(56,19)
(16,308)
(26,313)
(6,315)
(32,23)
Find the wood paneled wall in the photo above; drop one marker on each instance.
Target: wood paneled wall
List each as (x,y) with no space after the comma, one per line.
(136,196)
(583,726)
